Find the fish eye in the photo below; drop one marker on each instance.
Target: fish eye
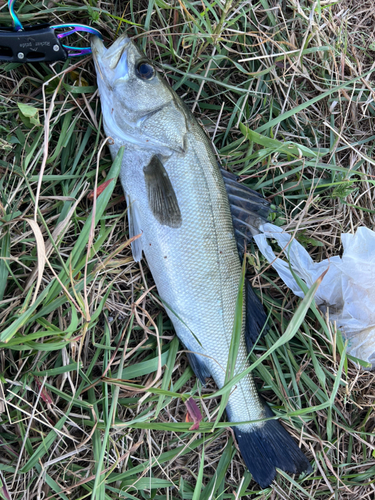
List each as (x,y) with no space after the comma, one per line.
(144,71)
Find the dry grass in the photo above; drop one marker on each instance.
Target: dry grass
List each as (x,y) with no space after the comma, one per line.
(298,71)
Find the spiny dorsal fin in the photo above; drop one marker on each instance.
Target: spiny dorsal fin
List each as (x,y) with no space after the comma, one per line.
(162,199)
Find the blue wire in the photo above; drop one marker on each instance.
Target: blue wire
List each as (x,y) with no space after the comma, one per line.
(17,23)
(81,27)
(81,51)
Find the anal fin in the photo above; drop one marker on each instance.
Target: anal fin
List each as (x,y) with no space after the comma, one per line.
(199,366)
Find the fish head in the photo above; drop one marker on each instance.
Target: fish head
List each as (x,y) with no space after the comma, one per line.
(136,101)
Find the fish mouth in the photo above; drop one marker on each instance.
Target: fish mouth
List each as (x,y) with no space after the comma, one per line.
(97,46)
(111,63)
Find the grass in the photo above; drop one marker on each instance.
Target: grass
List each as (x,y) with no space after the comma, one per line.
(93,380)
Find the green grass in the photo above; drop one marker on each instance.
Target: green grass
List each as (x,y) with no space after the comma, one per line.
(93,380)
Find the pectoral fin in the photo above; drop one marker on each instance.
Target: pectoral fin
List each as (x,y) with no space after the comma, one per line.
(162,199)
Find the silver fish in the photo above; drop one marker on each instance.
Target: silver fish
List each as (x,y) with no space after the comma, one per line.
(178,202)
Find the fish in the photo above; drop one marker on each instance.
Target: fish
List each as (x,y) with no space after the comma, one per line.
(193,219)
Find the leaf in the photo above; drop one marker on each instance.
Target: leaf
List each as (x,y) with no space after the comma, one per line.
(78,78)
(198,486)
(94,14)
(162,4)
(12,329)
(99,189)
(4,257)
(41,253)
(211,490)
(5,146)
(305,240)
(167,377)
(4,492)
(144,367)
(194,414)
(286,147)
(44,394)
(29,114)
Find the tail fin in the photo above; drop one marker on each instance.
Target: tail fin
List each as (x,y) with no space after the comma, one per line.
(268,447)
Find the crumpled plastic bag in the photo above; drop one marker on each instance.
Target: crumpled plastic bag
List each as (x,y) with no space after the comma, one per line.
(348,288)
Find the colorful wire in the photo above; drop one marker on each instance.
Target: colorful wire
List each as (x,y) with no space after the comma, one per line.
(16,22)
(74,28)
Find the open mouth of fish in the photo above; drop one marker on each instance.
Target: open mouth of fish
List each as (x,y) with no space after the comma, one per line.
(112,61)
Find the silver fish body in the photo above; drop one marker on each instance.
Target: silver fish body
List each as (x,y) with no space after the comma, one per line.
(178,202)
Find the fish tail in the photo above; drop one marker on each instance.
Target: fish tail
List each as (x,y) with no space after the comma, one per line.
(269,446)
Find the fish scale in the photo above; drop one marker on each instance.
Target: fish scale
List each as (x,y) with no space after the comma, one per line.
(178,204)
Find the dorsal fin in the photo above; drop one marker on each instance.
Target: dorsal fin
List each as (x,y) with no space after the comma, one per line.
(248,208)
(256,317)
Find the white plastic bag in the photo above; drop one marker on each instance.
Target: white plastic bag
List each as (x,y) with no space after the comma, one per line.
(348,288)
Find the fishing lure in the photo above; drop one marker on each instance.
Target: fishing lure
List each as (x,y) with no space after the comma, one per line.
(40,43)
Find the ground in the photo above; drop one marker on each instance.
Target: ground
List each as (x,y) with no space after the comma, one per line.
(93,380)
